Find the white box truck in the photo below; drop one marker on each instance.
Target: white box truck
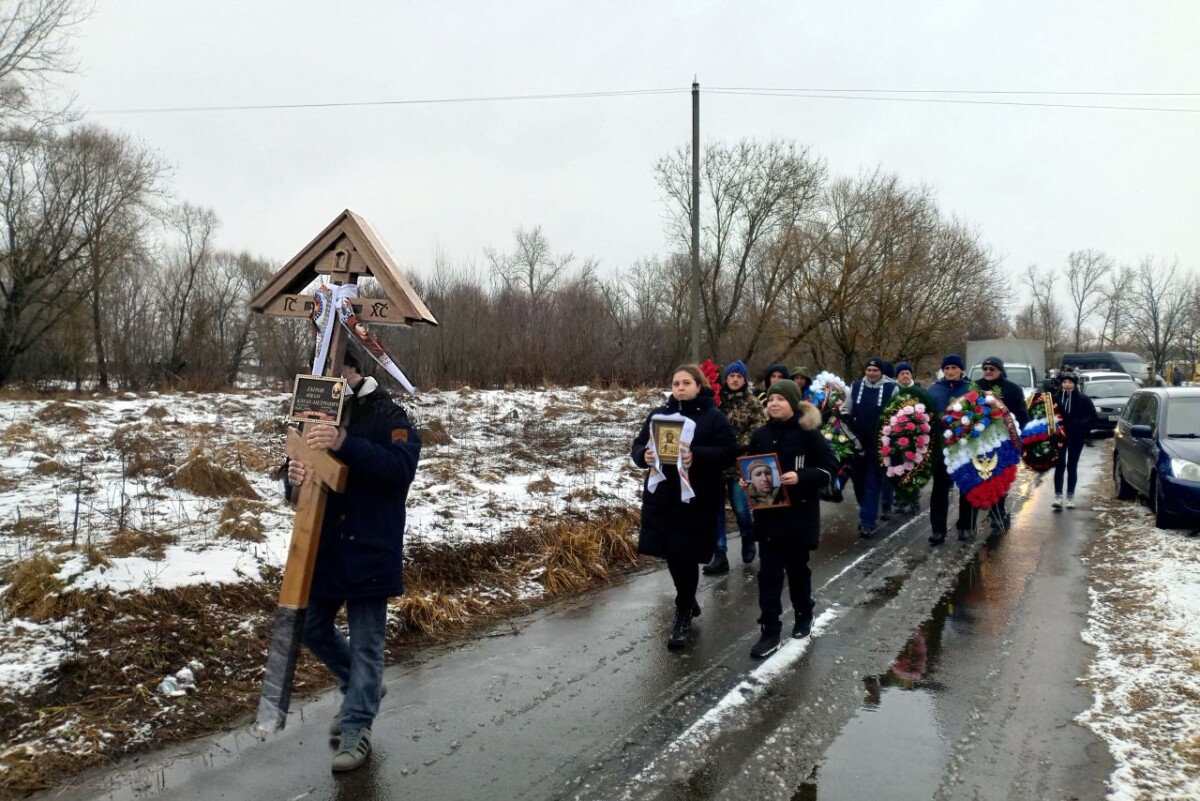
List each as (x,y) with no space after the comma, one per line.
(1024,361)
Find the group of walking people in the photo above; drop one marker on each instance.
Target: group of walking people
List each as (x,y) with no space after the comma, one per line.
(683,500)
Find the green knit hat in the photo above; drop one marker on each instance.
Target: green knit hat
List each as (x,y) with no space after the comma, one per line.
(788,389)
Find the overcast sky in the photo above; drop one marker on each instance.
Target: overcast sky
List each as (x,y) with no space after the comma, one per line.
(1037,182)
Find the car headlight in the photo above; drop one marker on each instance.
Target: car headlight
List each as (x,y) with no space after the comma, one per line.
(1188,471)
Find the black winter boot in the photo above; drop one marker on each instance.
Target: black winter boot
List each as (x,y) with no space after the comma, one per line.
(681,629)
(718,565)
(767,644)
(749,551)
(802,627)
(937,538)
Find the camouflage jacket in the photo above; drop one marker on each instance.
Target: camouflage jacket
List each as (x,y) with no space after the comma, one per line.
(745,415)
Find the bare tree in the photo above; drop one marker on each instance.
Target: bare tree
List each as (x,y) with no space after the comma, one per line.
(121,180)
(34,46)
(1161,301)
(1040,284)
(63,200)
(184,271)
(1116,311)
(758,194)
(1085,273)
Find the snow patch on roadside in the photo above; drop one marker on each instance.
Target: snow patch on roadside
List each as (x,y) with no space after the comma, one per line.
(1144,622)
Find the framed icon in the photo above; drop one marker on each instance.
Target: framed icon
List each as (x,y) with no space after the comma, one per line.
(764,487)
(666,439)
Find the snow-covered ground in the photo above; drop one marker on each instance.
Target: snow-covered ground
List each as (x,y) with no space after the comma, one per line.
(503,458)
(1144,621)
(70,481)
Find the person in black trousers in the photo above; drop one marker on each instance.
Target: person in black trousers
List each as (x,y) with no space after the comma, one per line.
(786,534)
(1078,416)
(682,497)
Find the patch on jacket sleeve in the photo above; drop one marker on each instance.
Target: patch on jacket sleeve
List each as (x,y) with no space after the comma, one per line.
(399,435)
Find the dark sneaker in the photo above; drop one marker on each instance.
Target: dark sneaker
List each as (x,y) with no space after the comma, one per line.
(885,513)
(964,535)
(681,629)
(353,752)
(865,531)
(695,609)
(749,551)
(718,565)
(937,538)
(802,627)
(767,644)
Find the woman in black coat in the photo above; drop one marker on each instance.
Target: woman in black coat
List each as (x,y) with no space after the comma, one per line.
(786,534)
(1078,415)
(679,517)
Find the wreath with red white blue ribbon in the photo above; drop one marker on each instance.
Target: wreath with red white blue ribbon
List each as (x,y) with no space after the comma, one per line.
(982,447)
(1042,435)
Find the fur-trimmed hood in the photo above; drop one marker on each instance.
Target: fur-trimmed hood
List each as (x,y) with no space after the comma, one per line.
(810,416)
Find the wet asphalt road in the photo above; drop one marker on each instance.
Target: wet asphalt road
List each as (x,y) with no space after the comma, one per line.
(932,673)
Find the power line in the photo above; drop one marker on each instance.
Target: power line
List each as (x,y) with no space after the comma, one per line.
(954,101)
(1035,93)
(881,95)
(403,102)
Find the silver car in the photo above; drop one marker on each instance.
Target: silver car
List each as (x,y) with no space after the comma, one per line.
(1110,393)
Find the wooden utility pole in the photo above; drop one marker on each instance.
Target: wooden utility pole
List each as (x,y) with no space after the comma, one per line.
(695,221)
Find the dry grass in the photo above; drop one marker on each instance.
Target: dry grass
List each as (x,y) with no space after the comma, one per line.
(241,520)
(50,467)
(257,457)
(434,433)
(541,486)
(200,476)
(59,413)
(578,554)
(32,588)
(157,412)
(143,450)
(141,543)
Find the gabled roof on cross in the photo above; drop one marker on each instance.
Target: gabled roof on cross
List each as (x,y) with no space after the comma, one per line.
(347,248)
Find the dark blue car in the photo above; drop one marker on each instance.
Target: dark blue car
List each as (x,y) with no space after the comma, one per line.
(1156,454)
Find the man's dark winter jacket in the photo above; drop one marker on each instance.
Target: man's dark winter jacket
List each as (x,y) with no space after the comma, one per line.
(801,447)
(1078,414)
(943,390)
(866,402)
(1012,395)
(361,553)
(671,528)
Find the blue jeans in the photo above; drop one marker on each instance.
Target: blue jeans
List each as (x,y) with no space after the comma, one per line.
(356,662)
(868,487)
(741,511)
(888,494)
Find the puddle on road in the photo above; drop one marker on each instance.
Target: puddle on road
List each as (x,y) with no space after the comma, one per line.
(896,740)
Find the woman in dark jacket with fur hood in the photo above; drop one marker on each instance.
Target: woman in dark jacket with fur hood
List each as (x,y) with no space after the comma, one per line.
(683,493)
(786,534)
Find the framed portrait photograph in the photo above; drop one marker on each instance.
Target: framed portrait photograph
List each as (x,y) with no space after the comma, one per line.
(666,439)
(764,487)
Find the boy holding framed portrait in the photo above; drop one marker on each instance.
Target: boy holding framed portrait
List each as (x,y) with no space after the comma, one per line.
(793,465)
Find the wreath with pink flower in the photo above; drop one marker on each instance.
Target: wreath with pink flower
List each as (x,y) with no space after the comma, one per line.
(1042,435)
(982,446)
(907,445)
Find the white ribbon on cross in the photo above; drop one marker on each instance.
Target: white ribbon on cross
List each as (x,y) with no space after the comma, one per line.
(327,299)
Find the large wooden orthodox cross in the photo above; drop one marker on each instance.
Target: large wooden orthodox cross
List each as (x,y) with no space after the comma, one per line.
(344,251)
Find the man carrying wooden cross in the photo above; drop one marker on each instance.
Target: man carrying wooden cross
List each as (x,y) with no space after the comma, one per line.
(360,557)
